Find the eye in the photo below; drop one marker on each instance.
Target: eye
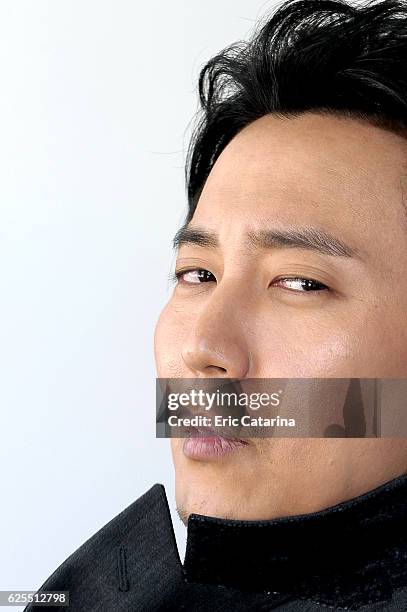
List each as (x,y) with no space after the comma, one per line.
(193,276)
(196,276)
(300,285)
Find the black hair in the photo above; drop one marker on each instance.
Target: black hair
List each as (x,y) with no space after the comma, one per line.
(328,56)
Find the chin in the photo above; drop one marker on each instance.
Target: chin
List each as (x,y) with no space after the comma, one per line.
(214,494)
(206,505)
(217,489)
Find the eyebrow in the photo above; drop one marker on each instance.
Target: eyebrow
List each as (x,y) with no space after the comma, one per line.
(309,238)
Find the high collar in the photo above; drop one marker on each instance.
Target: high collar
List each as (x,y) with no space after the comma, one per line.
(353,553)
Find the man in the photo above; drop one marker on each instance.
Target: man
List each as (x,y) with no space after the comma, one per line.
(296,236)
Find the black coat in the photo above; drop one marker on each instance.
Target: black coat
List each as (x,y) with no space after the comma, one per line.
(352,556)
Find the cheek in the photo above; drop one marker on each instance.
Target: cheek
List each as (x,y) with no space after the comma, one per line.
(168,339)
(331,356)
(377,342)
(365,345)
(383,347)
(298,344)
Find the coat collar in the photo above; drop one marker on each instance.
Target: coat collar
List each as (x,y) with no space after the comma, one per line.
(352,553)
(349,555)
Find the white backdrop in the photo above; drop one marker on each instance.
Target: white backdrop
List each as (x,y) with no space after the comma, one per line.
(95,101)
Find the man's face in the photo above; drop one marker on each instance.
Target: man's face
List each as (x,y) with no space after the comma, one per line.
(330,191)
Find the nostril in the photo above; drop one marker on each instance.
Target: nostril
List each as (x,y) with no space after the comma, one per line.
(215,370)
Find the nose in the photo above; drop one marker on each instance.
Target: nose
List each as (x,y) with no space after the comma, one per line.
(216,345)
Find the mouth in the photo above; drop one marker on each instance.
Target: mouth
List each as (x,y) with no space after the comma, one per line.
(205,444)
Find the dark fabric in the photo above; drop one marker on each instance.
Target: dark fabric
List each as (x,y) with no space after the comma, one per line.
(352,556)
(353,553)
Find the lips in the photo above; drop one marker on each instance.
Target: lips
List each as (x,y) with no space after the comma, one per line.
(204,444)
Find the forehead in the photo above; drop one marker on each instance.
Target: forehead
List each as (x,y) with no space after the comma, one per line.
(316,170)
